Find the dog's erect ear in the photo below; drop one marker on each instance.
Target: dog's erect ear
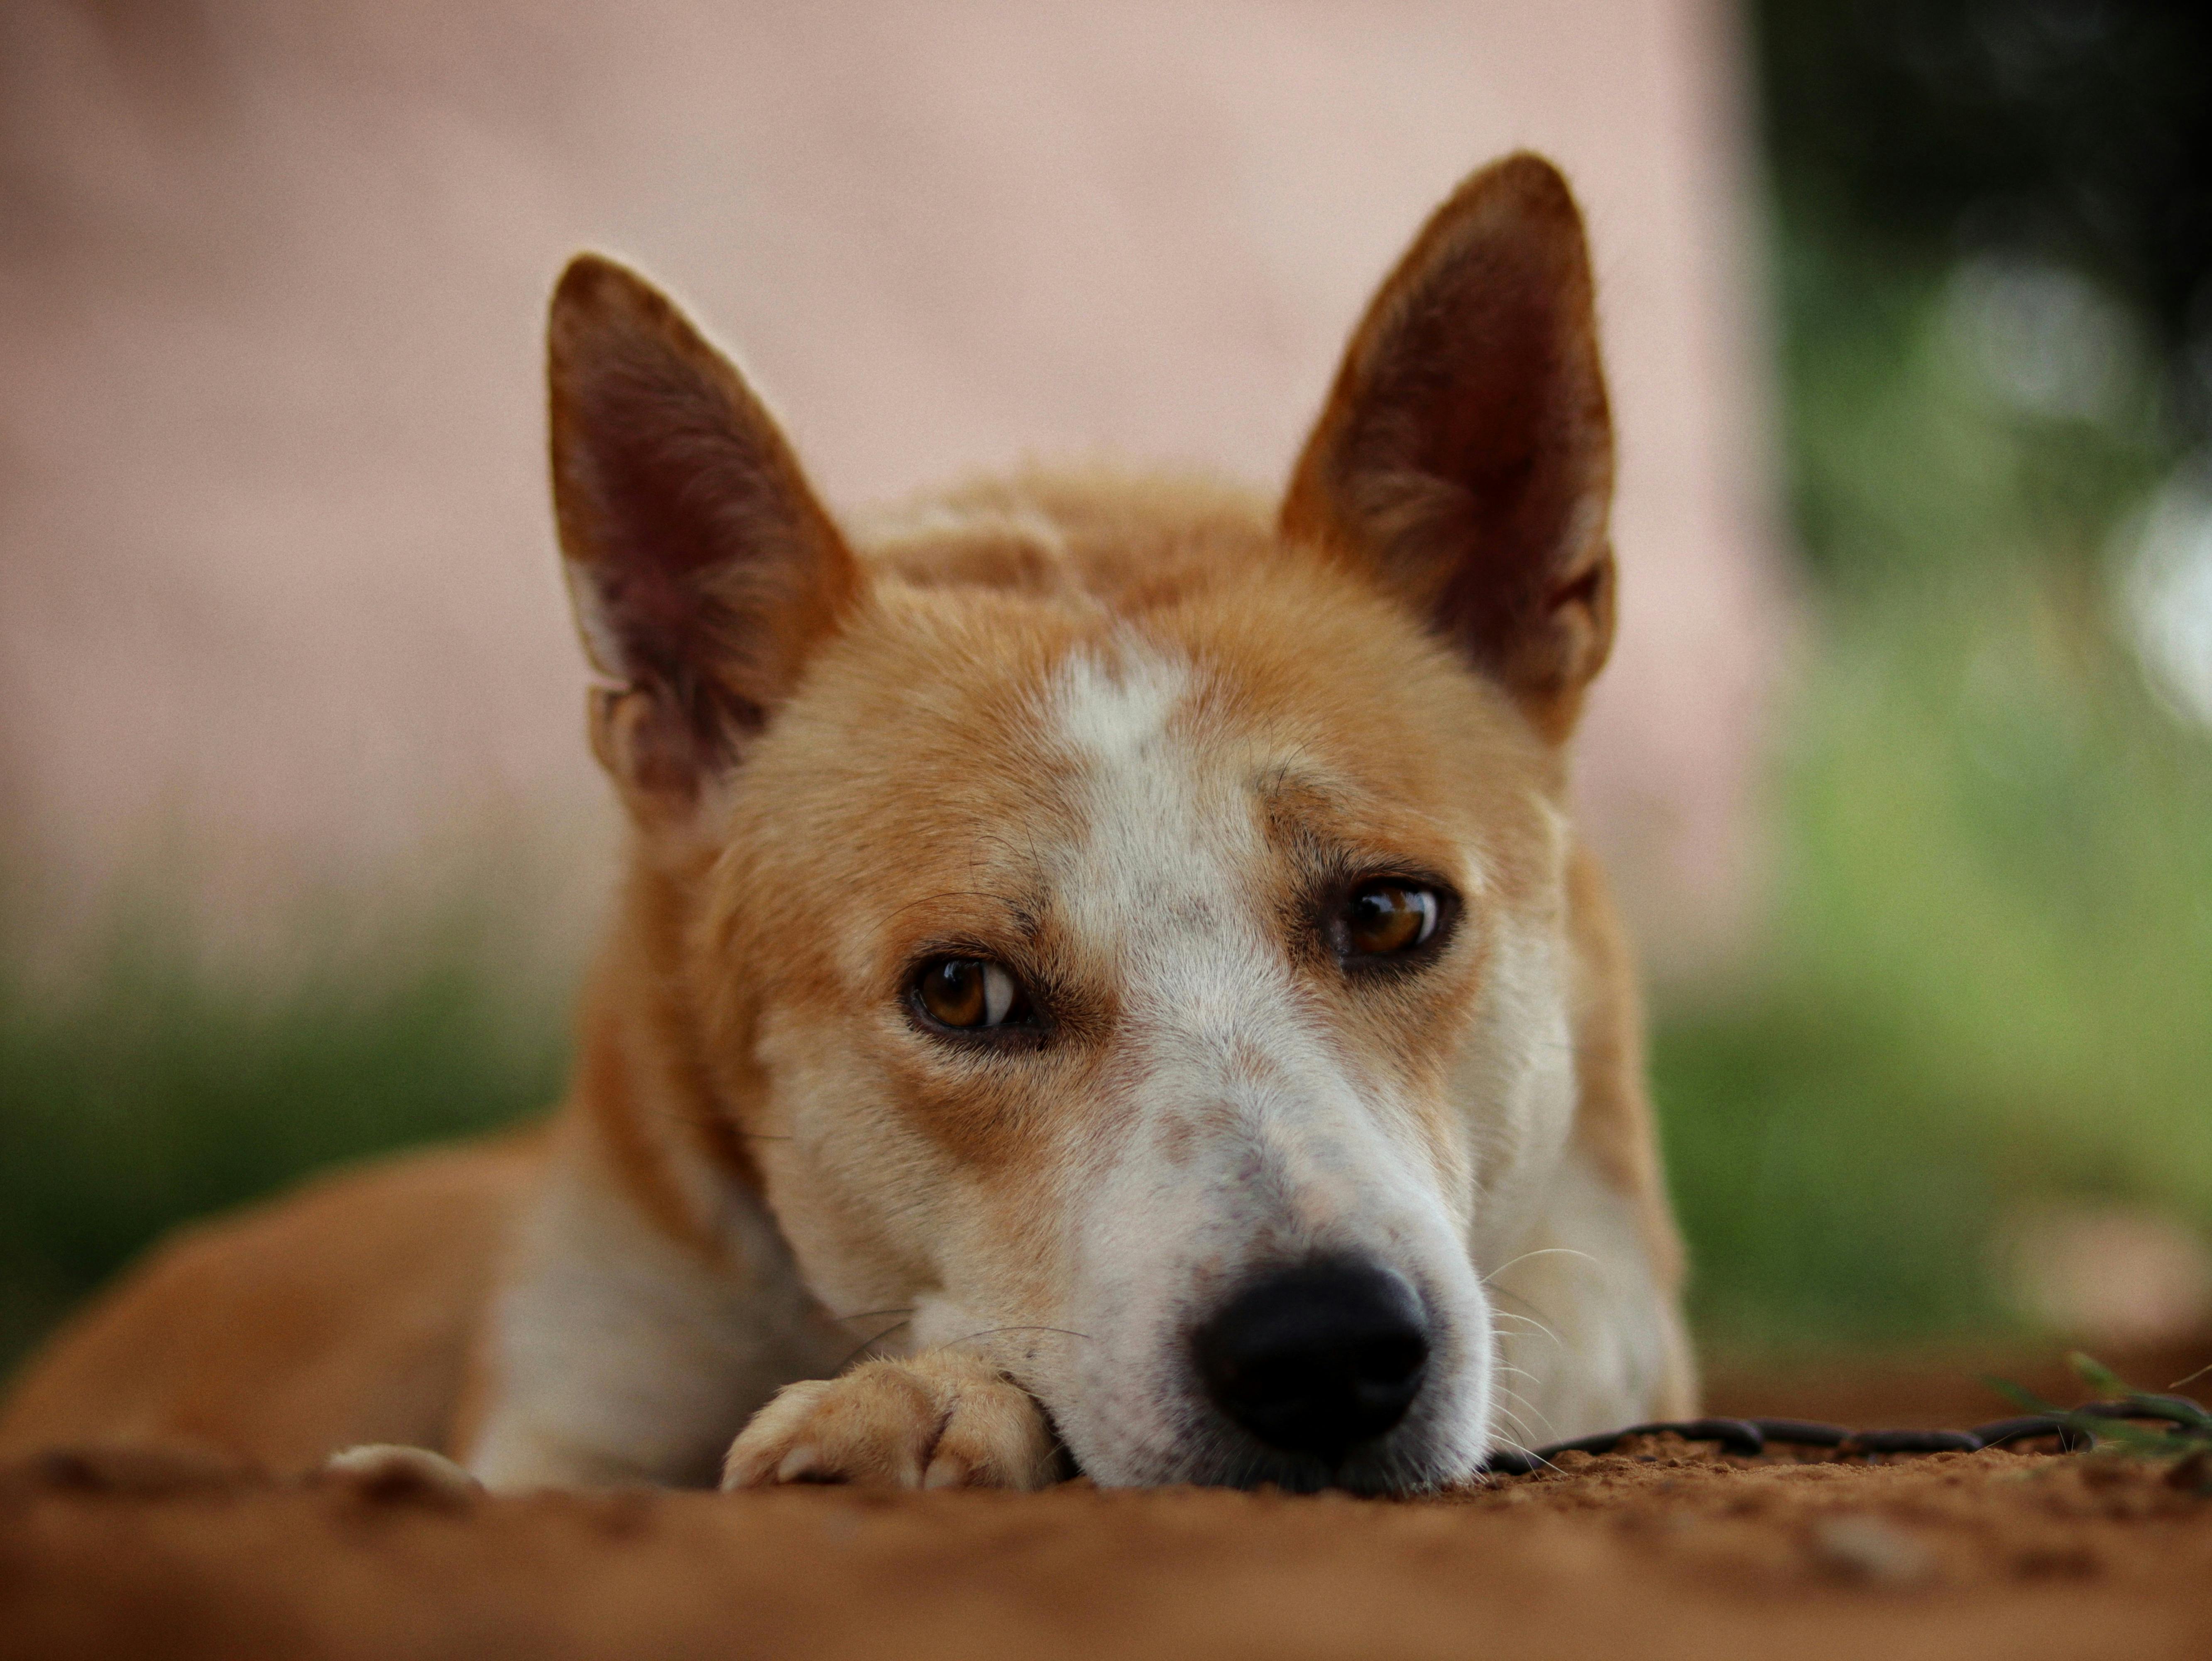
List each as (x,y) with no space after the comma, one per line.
(702,566)
(1465,456)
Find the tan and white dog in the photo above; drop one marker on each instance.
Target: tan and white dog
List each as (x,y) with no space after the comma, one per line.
(1114,949)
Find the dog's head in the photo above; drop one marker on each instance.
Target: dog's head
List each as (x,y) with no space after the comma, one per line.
(1126,925)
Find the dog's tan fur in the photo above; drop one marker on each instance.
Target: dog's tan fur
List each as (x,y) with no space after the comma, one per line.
(1111,732)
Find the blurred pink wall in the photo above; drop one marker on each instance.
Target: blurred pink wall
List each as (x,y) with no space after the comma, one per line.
(278,604)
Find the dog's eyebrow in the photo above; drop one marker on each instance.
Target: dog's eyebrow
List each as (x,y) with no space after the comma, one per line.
(1020,911)
(1325,827)
(1302,817)
(1285,784)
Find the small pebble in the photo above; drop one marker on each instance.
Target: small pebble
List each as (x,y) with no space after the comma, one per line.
(1868,1549)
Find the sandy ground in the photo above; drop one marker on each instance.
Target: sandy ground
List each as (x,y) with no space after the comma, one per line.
(1661,1550)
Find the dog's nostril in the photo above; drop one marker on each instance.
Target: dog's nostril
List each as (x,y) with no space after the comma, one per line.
(1315,1359)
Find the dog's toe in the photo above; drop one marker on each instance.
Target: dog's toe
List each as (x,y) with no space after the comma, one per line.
(872,1427)
(994,1438)
(932,1422)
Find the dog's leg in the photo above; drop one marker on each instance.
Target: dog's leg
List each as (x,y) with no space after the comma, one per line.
(947,1418)
(618,1354)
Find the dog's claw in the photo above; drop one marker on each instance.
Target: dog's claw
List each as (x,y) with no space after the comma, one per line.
(386,1470)
(946,1472)
(799,1464)
(943,1420)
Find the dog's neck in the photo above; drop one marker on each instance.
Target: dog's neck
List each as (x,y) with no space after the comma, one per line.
(656,1115)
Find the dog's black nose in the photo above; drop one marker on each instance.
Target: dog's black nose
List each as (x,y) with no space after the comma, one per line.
(1314,1359)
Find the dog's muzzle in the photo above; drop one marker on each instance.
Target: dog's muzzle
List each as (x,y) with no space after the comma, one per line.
(1318,1360)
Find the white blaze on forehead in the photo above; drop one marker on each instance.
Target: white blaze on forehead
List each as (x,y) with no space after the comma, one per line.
(1272,1150)
(1163,883)
(1156,840)
(1114,712)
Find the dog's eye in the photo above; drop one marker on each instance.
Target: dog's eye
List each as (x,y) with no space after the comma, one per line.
(1386,918)
(969,993)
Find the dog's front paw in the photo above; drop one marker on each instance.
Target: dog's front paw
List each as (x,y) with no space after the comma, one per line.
(940,1421)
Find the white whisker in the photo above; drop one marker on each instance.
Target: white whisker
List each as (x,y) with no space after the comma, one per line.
(1540,1251)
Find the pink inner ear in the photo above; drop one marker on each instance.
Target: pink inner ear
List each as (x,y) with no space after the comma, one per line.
(1466,452)
(652,461)
(703,566)
(1482,393)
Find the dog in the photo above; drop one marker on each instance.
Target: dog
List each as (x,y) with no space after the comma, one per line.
(1106,980)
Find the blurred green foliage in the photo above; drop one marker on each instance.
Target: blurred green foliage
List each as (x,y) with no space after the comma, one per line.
(1988,976)
(155,1088)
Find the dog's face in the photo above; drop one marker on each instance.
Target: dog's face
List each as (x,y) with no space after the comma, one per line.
(1095,972)
(1127,928)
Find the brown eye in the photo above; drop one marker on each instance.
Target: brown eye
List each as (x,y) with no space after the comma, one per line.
(1387,917)
(968,994)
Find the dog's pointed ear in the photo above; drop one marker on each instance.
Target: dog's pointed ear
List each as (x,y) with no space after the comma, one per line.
(1465,454)
(703,567)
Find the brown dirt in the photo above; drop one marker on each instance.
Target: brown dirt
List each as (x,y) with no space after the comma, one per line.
(1661,1550)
